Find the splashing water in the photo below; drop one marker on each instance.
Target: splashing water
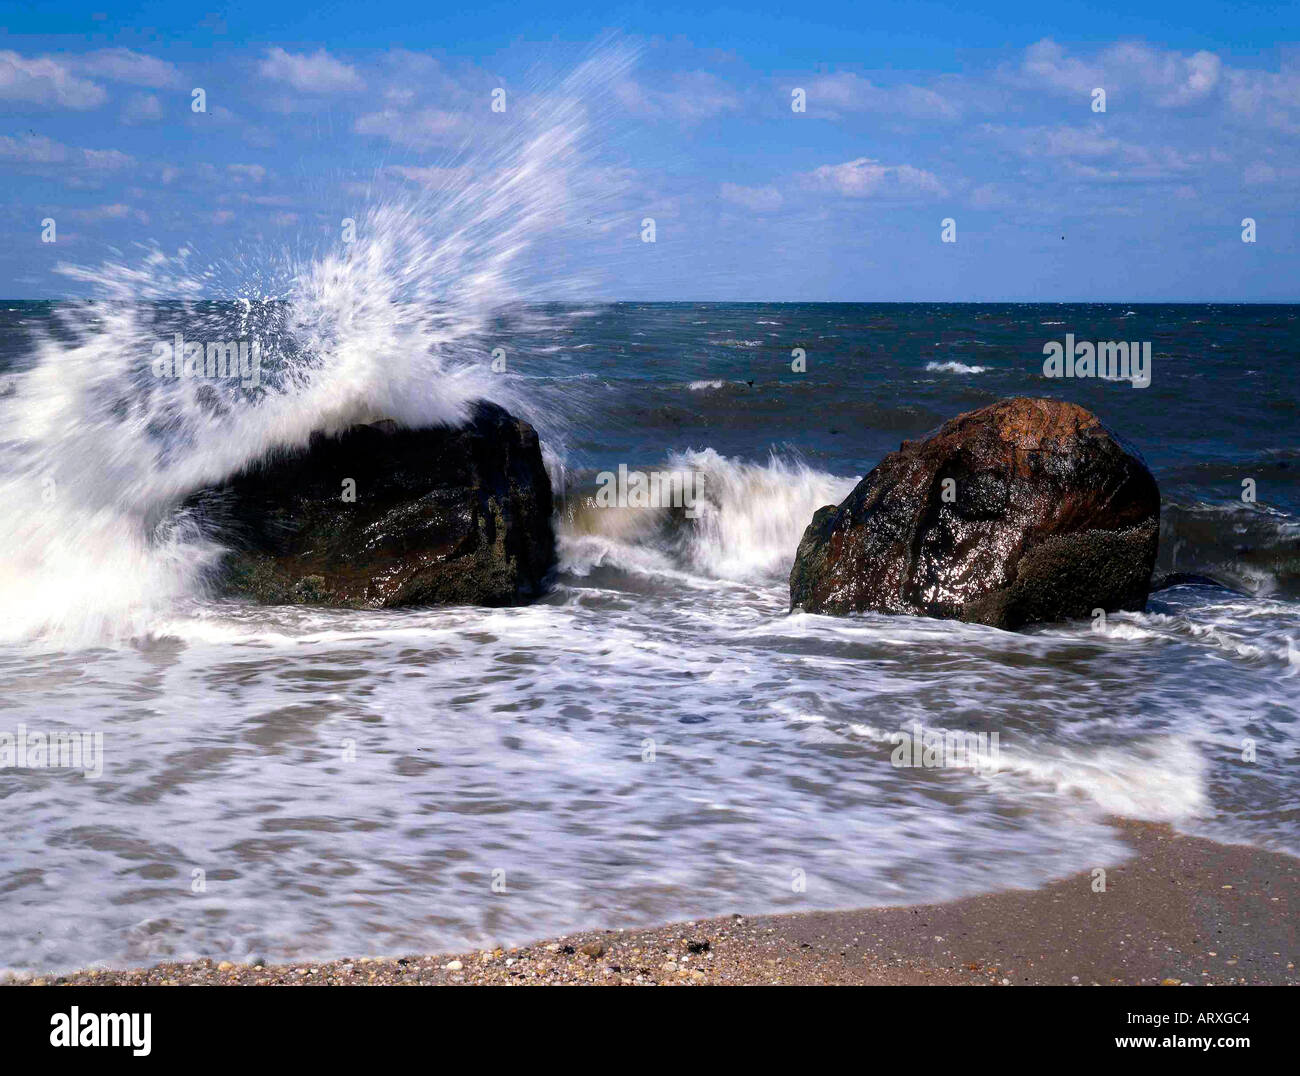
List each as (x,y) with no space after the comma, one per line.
(394,324)
(748,521)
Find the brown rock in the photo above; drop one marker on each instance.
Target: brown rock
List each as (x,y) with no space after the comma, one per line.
(1026,510)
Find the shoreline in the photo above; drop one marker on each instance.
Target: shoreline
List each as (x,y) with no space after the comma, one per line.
(1180,910)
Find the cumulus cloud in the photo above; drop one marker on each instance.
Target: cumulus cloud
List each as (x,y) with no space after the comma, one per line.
(142,108)
(105,160)
(135,68)
(34,150)
(1090,152)
(865,178)
(253,173)
(38,151)
(689,96)
(990,196)
(1168,78)
(97,214)
(416,130)
(847,92)
(46,82)
(1270,98)
(316,73)
(1047,64)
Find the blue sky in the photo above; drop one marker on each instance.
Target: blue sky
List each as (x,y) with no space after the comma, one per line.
(916,112)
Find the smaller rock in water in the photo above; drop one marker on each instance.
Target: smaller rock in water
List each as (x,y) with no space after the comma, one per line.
(1028,510)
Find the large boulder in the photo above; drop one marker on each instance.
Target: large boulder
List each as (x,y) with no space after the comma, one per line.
(1046,517)
(441,515)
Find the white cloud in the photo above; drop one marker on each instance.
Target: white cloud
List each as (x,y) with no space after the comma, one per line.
(69,165)
(123,65)
(1272,98)
(106,160)
(1046,63)
(35,150)
(45,81)
(755,199)
(1167,77)
(404,73)
(96,214)
(991,196)
(864,177)
(1259,173)
(317,73)
(417,130)
(254,173)
(1088,152)
(690,96)
(847,92)
(1070,142)
(1174,80)
(142,108)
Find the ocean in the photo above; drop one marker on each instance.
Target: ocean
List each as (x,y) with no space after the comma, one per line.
(659,738)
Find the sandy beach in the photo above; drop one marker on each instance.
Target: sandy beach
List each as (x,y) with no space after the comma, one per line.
(1181,910)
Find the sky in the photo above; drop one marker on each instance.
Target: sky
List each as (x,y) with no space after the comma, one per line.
(920,121)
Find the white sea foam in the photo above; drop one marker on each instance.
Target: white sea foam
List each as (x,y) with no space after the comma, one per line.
(1158,781)
(750,518)
(954,367)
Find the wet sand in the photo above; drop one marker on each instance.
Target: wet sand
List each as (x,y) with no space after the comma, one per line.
(1181,910)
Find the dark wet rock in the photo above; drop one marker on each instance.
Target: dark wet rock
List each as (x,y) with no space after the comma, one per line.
(442,516)
(1046,517)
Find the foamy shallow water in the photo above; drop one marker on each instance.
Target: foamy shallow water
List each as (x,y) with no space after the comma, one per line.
(626,752)
(659,738)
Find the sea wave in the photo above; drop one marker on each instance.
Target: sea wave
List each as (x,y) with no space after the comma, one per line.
(397,325)
(748,521)
(954,367)
(1253,549)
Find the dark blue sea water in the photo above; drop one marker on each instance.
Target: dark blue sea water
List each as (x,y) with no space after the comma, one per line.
(1223,404)
(658,738)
